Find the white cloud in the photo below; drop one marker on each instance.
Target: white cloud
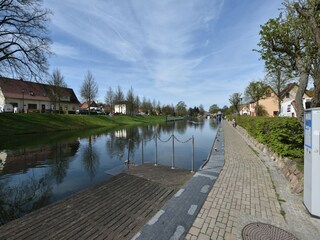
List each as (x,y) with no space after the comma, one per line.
(180,49)
(65,50)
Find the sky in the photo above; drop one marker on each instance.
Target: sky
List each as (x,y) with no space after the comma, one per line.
(196,51)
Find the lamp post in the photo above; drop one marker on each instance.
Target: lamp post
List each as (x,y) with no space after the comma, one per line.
(23,100)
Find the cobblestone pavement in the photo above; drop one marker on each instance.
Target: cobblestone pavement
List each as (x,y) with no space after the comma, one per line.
(245,192)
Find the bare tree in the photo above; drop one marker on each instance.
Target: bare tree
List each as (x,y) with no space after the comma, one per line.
(57,88)
(130,99)
(137,103)
(89,89)
(24,41)
(278,81)
(118,95)
(109,98)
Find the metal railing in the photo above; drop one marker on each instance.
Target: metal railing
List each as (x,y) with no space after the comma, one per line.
(173,138)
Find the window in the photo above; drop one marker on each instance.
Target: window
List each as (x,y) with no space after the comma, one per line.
(287,95)
(268,93)
(289,108)
(32,106)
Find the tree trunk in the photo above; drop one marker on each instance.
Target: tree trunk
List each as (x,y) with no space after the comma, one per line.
(279,103)
(303,82)
(316,82)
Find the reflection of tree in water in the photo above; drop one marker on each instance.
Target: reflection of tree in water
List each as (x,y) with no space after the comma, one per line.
(117,144)
(213,124)
(24,197)
(90,158)
(181,127)
(60,164)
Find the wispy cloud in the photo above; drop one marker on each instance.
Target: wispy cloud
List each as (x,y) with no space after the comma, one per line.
(175,47)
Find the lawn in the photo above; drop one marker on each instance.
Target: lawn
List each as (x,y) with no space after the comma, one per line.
(19,123)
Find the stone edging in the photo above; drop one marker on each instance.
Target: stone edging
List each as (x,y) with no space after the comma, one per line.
(286,165)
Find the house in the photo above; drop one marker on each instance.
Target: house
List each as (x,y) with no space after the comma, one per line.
(93,106)
(121,107)
(288,105)
(244,110)
(270,102)
(26,96)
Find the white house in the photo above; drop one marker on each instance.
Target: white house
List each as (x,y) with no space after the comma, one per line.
(120,108)
(28,96)
(288,104)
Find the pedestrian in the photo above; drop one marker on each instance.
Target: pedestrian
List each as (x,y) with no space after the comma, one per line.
(234,124)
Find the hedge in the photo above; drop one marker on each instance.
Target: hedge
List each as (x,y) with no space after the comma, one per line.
(282,135)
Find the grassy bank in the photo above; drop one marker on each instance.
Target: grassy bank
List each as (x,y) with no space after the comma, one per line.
(14,124)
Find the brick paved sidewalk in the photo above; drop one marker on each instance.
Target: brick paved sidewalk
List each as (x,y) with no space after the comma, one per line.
(245,192)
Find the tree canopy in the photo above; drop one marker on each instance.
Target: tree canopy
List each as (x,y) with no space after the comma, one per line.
(235,100)
(24,41)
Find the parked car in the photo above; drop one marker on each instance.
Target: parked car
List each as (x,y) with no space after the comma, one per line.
(6,108)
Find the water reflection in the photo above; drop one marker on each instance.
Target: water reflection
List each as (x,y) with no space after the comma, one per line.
(29,195)
(90,158)
(42,170)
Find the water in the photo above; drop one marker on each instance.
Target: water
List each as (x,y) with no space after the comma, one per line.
(38,170)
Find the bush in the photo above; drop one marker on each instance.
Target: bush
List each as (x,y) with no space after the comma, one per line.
(283,135)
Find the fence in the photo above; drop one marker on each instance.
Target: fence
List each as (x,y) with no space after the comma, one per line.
(173,138)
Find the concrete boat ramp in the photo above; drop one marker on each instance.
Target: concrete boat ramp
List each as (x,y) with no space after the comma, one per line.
(145,202)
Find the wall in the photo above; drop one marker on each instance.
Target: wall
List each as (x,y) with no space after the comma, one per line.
(1,98)
(270,104)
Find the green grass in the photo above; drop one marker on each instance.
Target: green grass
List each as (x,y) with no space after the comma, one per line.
(14,124)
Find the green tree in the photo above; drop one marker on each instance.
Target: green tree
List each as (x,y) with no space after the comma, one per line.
(89,89)
(255,91)
(214,108)
(309,10)
(201,110)
(181,108)
(118,95)
(235,100)
(167,110)
(24,38)
(285,42)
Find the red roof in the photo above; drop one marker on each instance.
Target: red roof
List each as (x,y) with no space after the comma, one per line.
(13,88)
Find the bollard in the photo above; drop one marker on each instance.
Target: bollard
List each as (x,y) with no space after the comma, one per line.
(142,158)
(192,165)
(156,153)
(172,165)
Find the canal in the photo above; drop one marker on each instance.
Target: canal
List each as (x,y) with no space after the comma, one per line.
(36,170)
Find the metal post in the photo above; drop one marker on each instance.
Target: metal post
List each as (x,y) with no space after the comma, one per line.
(23,100)
(128,151)
(142,159)
(192,166)
(156,154)
(172,165)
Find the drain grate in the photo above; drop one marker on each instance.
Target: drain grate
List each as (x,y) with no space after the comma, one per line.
(264,231)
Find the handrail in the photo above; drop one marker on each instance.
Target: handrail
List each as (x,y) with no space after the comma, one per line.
(156,138)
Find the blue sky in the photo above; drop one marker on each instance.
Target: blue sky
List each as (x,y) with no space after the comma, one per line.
(197,51)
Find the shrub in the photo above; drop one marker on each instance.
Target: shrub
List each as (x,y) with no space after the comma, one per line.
(284,135)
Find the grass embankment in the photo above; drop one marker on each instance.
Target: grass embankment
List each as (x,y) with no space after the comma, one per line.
(14,124)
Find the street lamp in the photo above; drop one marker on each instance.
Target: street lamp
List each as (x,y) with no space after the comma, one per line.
(23,100)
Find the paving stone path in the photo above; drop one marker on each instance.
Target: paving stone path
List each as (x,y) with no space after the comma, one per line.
(245,192)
